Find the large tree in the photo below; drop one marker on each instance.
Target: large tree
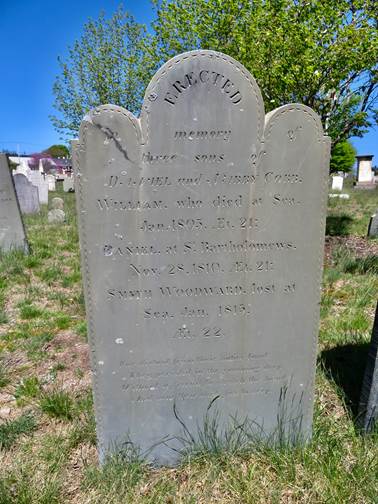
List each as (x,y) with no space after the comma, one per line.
(321,53)
(57,151)
(111,63)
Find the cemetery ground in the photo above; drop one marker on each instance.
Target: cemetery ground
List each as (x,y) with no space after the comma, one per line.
(47,429)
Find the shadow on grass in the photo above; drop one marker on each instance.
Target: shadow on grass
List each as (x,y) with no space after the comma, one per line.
(338,225)
(345,365)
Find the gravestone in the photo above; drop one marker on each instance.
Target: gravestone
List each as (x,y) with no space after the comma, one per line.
(38,180)
(373,226)
(27,194)
(337,183)
(50,179)
(368,412)
(57,203)
(365,174)
(68,184)
(56,216)
(12,232)
(202,233)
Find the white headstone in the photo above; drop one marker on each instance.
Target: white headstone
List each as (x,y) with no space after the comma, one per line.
(50,179)
(68,184)
(37,179)
(337,183)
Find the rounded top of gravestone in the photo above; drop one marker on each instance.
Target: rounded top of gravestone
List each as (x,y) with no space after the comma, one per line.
(56,215)
(20,178)
(57,203)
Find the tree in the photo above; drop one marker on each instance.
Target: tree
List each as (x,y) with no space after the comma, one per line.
(38,157)
(320,53)
(57,151)
(111,63)
(343,157)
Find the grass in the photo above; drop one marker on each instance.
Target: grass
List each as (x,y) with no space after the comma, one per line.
(11,430)
(58,404)
(47,427)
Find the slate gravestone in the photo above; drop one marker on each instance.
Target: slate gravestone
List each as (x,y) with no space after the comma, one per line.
(27,194)
(202,232)
(373,226)
(369,394)
(12,232)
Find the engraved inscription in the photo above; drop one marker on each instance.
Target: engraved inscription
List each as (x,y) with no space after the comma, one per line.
(201,255)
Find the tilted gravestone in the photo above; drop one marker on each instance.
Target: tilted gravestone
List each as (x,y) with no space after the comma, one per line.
(27,194)
(12,232)
(373,226)
(202,232)
(368,413)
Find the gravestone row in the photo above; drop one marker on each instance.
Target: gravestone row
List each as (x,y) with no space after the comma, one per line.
(12,232)
(202,232)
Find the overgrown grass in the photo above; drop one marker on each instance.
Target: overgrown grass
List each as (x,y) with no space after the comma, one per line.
(43,330)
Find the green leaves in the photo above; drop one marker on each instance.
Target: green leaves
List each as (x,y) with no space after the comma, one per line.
(111,63)
(342,157)
(323,54)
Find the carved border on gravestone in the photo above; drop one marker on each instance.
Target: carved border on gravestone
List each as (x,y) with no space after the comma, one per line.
(150,91)
(141,127)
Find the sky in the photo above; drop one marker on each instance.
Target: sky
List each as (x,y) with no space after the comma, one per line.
(33,33)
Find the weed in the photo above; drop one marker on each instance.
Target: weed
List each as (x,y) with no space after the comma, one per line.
(81,329)
(4,379)
(63,321)
(11,430)
(28,310)
(58,404)
(34,344)
(28,388)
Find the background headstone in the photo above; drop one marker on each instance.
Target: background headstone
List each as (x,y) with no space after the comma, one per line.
(37,179)
(365,174)
(373,225)
(57,203)
(202,245)
(68,184)
(368,412)
(337,183)
(12,232)
(27,194)
(56,215)
(50,179)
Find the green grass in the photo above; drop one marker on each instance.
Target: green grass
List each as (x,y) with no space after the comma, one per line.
(11,430)
(351,217)
(43,328)
(57,404)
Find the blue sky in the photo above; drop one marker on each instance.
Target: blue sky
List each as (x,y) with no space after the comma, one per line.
(33,33)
